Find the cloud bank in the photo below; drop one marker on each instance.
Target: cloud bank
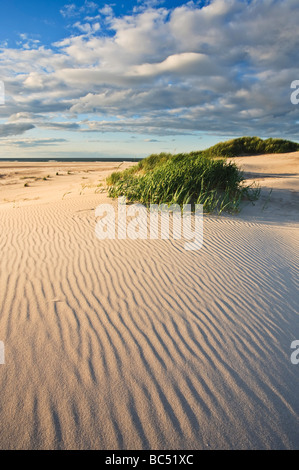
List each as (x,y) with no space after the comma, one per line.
(14,129)
(224,69)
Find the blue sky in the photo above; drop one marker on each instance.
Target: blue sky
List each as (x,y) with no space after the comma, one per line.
(95,78)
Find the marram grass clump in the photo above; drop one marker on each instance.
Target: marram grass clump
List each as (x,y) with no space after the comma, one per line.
(251,146)
(193,178)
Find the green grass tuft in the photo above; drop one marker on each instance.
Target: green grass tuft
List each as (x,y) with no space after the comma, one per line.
(182,179)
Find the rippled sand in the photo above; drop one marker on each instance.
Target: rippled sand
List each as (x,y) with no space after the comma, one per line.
(122,344)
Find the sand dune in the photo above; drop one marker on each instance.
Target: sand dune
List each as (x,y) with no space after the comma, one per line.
(123,344)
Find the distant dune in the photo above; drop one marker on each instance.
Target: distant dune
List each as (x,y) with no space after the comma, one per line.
(123,344)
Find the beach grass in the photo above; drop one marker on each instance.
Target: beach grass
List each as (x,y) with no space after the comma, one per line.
(199,177)
(183,179)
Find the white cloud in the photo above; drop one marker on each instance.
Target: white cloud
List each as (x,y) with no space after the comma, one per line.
(32,142)
(69,10)
(87,28)
(188,63)
(145,4)
(17,117)
(107,10)
(34,80)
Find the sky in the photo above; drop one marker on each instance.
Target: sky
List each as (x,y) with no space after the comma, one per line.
(130,78)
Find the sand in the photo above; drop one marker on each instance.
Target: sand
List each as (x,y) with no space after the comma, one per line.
(139,344)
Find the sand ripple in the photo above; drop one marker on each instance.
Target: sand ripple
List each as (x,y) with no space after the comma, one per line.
(140,344)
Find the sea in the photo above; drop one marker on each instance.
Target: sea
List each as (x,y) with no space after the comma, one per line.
(74,160)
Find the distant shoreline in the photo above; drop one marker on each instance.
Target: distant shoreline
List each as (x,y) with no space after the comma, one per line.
(75,160)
